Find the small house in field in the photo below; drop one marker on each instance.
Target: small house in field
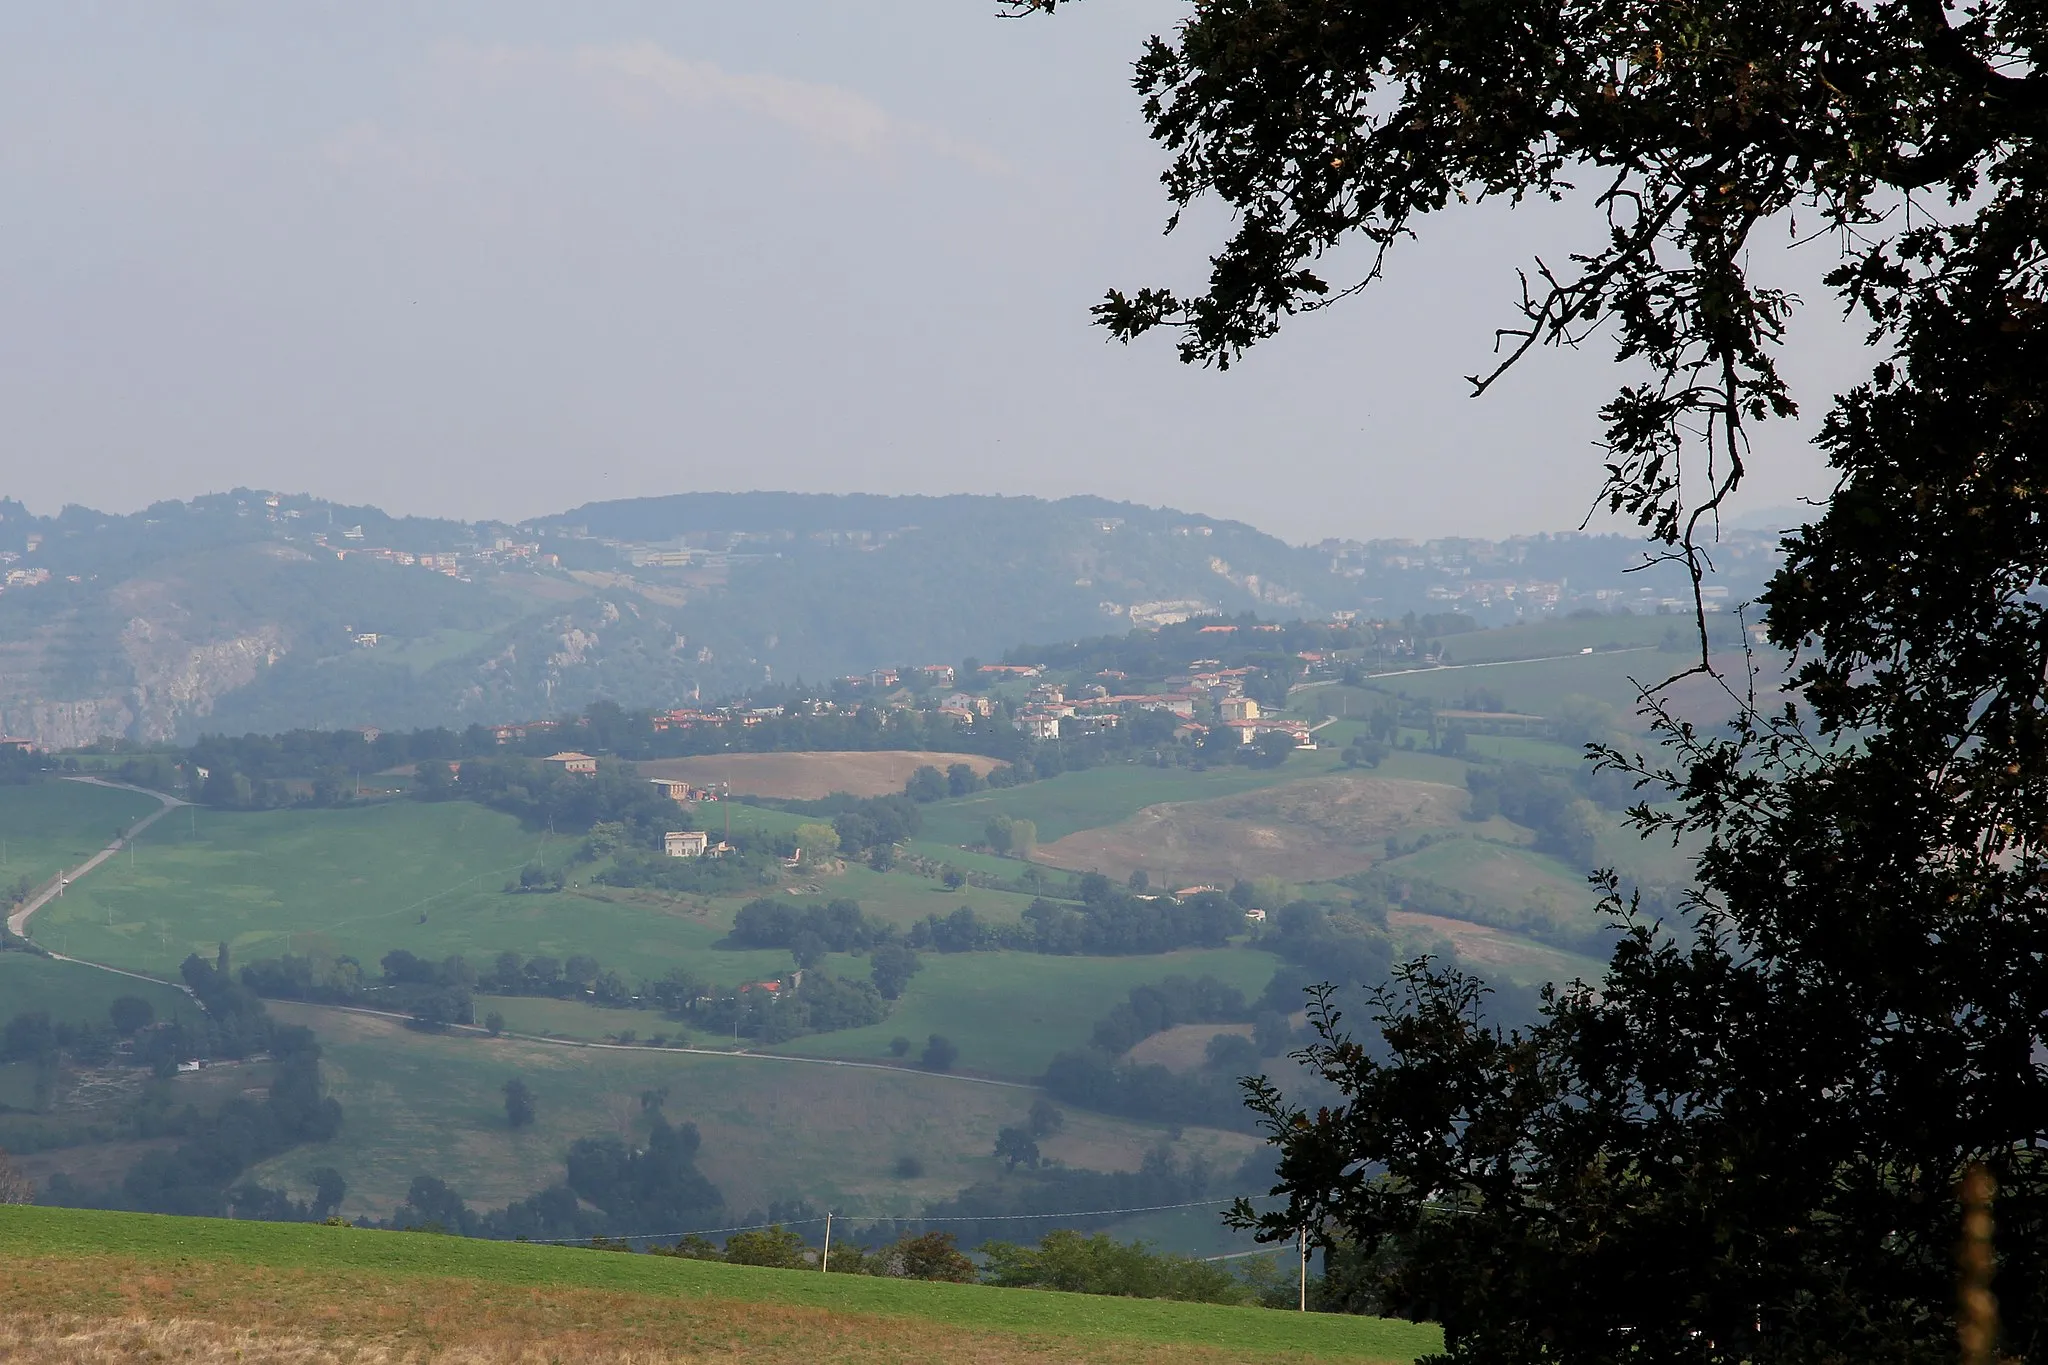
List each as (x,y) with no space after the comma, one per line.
(1255,916)
(572,762)
(685,843)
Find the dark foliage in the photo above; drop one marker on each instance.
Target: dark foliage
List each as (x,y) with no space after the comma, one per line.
(939,1054)
(1744,1144)
(520,1110)
(839,925)
(1565,822)
(1106,921)
(1176,1000)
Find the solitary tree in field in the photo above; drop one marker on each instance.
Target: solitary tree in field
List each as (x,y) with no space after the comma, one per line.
(1016,1145)
(1045,1119)
(519,1106)
(1744,1143)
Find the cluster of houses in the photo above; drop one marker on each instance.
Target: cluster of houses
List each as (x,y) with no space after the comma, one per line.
(676,843)
(16,576)
(1049,713)
(502,550)
(21,578)
(1208,696)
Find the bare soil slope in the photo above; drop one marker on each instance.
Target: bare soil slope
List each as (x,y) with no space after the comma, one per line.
(1182,1047)
(1488,949)
(1312,830)
(806,777)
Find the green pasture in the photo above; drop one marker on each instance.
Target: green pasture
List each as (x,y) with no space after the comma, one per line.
(1538,687)
(364,880)
(578,1019)
(1010,1012)
(903,898)
(1244,1333)
(429,651)
(1544,753)
(774,1128)
(1501,875)
(1102,796)
(1563,635)
(743,818)
(49,825)
(990,864)
(72,992)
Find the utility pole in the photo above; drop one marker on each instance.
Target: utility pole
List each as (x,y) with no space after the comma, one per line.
(1304,1267)
(825,1260)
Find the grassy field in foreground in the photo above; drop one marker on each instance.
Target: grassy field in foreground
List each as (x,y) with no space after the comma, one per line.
(417,1103)
(440,1294)
(49,825)
(73,993)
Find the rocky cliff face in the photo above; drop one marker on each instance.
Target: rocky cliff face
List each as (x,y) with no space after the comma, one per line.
(252,612)
(170,684)
(177,682)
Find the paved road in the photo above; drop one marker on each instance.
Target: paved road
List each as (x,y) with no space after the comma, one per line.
(17,923)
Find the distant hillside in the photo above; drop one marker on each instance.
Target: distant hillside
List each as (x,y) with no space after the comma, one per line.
(255,611)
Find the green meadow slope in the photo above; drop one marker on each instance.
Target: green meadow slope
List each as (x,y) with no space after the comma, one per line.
(48,826)
(773,1129)
(80,1270)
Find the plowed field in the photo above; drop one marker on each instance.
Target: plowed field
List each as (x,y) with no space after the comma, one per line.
(1312,830)
(806,777)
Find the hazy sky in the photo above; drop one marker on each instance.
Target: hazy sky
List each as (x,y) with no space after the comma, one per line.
(501,258)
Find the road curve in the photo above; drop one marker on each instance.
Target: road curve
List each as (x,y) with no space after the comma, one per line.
(17,923)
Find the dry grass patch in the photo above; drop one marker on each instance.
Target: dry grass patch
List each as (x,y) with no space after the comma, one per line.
(807,777)
(1182,1047)
(107,1309)
(1317,829)
(1484,947)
